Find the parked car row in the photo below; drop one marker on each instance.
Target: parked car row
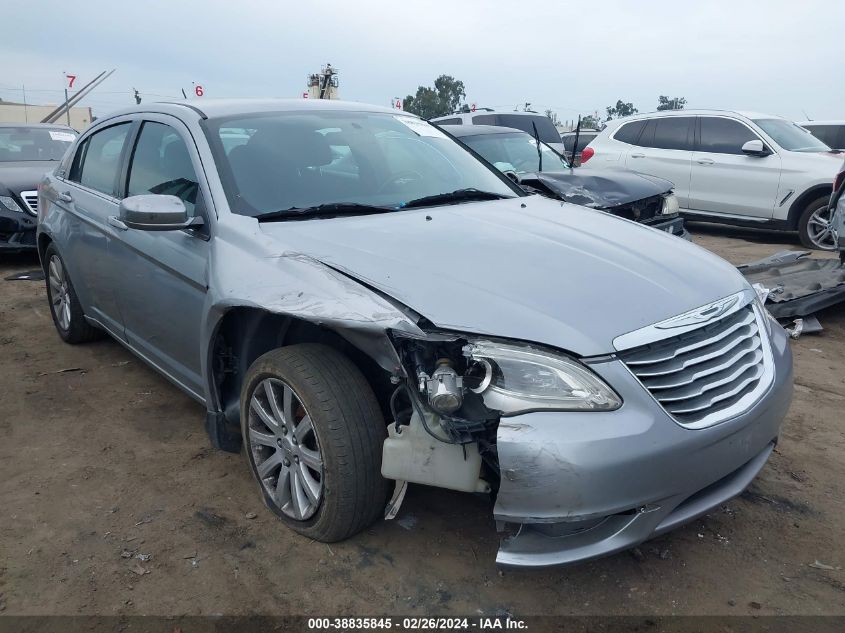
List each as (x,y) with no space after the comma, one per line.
(365,303)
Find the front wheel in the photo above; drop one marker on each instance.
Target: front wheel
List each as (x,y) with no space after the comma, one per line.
(313,431)
(815,228)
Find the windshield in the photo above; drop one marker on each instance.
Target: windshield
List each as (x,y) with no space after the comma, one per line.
(33,143)
(299,160)
(515,152)
(790,136)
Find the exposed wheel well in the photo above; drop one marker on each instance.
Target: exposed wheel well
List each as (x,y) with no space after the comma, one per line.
(803,200)
(244,334)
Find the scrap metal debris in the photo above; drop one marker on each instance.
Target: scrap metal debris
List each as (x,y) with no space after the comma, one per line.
(806,325)
(797,285)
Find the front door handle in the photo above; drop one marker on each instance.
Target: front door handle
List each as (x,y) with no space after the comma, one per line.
(637,155)
(117,223)
(704,161)
(65,196)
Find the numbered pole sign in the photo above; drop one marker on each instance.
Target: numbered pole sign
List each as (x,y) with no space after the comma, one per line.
(397,104)
(70,80)
(472,108)
(198,90)
(305,95)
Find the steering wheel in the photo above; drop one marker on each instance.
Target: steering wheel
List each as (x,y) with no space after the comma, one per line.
(405,175)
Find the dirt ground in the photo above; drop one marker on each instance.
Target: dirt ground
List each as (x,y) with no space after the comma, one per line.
(105,464)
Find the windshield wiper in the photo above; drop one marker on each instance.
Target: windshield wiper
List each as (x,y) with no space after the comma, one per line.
(452,197)
(329,210)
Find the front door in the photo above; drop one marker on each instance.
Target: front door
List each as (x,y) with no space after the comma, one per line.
(163,293)
(726,181)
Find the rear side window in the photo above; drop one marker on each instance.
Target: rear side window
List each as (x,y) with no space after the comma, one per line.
(98,158)
(546,130)
(667,133)
(724,136)
(453,121)
(161,165)
(630,132)
(672,133)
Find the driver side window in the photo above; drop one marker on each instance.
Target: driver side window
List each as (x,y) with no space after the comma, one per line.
(161,164)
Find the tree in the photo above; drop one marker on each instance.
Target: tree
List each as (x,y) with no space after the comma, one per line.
(665,103)
(620,109)
(445,98)
(553,116)
(590,122)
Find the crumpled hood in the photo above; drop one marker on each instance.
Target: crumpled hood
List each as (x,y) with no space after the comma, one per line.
(603,189)
(552,273)
(23,175)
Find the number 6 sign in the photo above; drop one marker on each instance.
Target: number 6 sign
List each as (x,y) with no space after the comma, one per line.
(198,90)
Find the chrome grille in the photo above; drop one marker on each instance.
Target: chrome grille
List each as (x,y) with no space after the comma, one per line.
(30,199)
(707,374)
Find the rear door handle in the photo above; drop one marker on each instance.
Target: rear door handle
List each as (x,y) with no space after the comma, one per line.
(65,196)
(637,155)
(705,161)
(117,223)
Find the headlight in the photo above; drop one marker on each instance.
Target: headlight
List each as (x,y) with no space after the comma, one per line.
(11,204)
(515,380)
(670,204)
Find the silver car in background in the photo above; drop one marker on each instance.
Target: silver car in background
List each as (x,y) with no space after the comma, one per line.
(359,303)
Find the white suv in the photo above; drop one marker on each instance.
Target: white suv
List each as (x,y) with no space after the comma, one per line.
(729,167)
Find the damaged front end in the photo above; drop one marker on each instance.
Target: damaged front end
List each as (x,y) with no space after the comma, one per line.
(458,399)
(636,197)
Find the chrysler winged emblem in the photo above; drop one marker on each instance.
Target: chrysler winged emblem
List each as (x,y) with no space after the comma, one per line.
(700,315)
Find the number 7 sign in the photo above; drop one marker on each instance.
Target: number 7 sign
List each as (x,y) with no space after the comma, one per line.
(70,79)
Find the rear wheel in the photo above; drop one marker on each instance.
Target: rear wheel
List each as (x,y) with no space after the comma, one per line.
(314,433)
(64,304)
(815,228)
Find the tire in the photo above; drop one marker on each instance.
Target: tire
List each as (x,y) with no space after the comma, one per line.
(65,308)
(810,234)
(347,432)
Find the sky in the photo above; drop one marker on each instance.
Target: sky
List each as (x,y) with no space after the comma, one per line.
(774,56)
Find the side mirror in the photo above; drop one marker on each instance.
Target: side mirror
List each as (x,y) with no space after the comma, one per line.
(755,148)
(151,212)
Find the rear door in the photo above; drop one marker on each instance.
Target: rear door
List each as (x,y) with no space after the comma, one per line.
(724,180)
(664,148)
(163,286)
(88,197)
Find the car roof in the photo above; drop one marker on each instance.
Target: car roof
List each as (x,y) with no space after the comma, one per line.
(464,115)
(43,126)
(479,130)
(699,112)
(572,132)
(212,108)
(834,122)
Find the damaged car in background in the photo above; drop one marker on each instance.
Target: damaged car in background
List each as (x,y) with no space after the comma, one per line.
(363,304)
(540,169)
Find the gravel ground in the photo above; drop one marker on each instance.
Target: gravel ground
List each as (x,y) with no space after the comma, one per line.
(113,503)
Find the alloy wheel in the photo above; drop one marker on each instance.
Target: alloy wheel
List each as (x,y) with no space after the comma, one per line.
(59,295)
(820,229)
(285,449)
